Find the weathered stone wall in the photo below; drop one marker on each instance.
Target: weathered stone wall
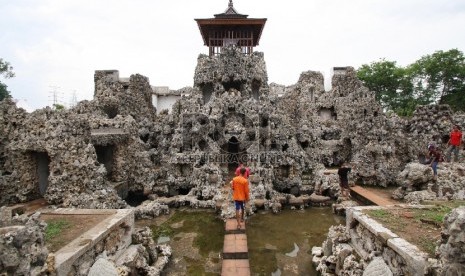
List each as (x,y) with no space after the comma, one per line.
(416,182)
(126,250)
(78,155)
(363,244)
(287,135)
(22,246)
(452,245)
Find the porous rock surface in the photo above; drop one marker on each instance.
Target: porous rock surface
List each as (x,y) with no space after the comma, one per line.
(22,247)
(452,244)
(416,183)
(94,154)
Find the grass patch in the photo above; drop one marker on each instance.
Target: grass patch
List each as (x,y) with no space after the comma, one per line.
(421,227)
(435,214)
(379,213)
(195,267)
(55,228)
(428,245)
(54,233)
(163,230)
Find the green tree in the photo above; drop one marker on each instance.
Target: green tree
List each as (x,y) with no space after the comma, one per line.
(7,72)
(392,85)
(58,107)
(441,78)
(436,78)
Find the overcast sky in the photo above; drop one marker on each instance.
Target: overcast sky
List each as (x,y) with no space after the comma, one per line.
(58,44)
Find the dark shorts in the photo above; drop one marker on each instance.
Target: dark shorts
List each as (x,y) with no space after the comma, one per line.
(239,204)
(344,184)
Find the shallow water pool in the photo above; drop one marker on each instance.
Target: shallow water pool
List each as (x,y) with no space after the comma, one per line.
(280,244)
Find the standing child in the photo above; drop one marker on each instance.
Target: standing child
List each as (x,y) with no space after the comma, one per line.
(240,187)
(435,158)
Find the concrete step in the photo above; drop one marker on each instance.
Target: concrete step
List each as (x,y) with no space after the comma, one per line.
(235,246)
(235,268)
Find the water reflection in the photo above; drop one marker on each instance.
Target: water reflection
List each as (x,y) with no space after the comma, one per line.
(282,243)
(294,252)
(163,239)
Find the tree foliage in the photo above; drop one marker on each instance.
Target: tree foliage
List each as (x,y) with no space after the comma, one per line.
(58,107)
(7,72)
(441,76)
(436,78)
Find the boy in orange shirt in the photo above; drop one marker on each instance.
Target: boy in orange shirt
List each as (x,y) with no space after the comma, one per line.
(240,187)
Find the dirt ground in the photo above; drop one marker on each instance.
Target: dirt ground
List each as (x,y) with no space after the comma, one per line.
(407,224)
(421,227)
(418,226)
(76,225)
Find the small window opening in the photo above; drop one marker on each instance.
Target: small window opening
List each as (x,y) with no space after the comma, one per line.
(111,111)
(105,156)
(305,144)
(285,147)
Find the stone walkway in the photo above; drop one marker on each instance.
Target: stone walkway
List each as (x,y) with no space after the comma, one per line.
(235,251)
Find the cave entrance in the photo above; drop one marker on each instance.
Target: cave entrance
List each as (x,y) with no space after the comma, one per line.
(105,156)
(207,91)
(43,171)
(182,190)
(135,198)
(233,153)
(235,84)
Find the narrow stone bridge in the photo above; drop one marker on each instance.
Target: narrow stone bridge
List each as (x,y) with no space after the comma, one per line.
(370,197)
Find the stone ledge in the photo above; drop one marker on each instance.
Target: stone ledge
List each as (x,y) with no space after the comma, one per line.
(70,253)
(374,227)
(416,260)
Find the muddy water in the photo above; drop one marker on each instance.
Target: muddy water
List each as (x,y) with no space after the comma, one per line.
(279,244)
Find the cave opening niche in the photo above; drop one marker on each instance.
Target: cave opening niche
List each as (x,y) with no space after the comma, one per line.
(285,170)
(256,89)
(326,114)
(181,190)
(111,111)
(135,198)
(207,91)
(105,156)
(42,161)
(232,84)
(233,153)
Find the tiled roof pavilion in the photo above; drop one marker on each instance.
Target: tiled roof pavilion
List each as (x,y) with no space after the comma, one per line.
(231,27)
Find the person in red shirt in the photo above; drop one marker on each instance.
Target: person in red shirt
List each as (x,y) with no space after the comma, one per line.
(238,170)
(240,187)
(455,141)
